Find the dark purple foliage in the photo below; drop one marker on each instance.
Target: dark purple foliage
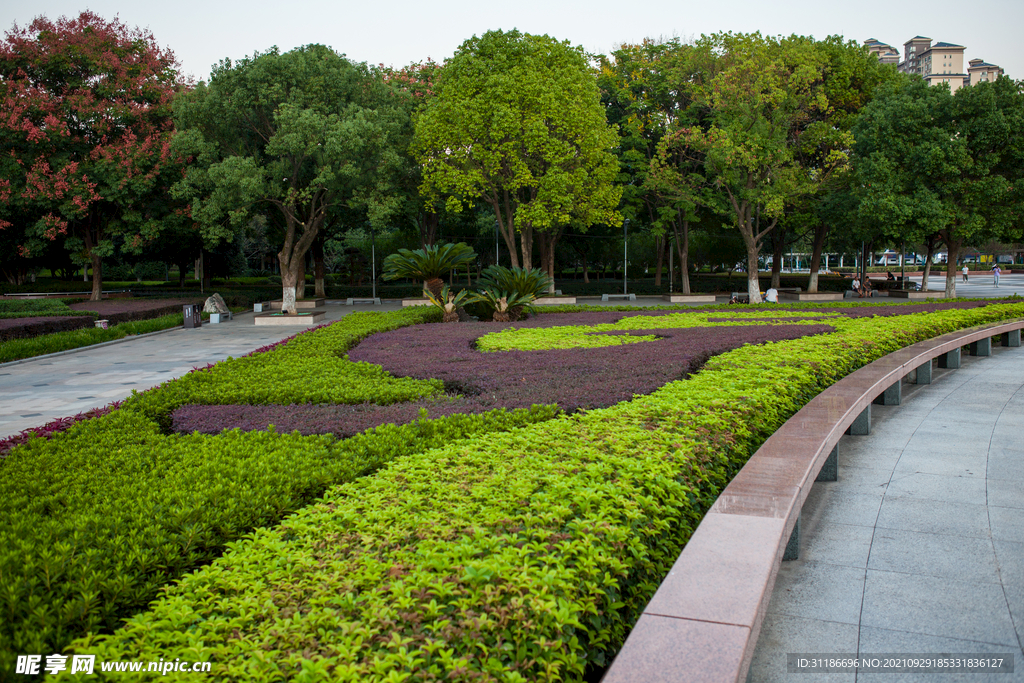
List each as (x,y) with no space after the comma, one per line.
(23,328)
(575,379)
(119,311)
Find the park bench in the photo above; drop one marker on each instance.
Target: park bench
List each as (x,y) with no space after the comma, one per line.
(703,622)
(628,297)
(365,300)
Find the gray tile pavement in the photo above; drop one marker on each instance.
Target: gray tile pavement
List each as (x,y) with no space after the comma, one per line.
(919,546)
(36,391)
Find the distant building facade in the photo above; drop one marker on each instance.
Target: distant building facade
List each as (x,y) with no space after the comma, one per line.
(886,54)
(980,71)
(938,63)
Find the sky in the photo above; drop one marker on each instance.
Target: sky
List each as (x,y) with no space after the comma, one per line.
(400,32)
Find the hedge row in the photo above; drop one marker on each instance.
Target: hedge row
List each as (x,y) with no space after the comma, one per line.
(312,368)
(21,326)
(16,349)
(100,517)
(517,557)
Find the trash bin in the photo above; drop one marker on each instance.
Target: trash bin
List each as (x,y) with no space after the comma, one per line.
(193,318)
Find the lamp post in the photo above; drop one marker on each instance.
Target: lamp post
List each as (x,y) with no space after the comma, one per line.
(671,273)
(373,262)
(625,254)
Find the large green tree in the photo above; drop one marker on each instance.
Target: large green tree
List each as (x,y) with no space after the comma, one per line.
(516,122)
(931,162)
(86,131)
(764,95)
(295,136)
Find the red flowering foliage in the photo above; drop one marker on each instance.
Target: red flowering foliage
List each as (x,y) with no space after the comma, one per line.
(417,79)
(85,118)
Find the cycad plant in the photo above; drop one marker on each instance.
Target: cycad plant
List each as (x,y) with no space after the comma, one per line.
(532,282)
(503,303)
(523,284)
(428,264)
(450,302)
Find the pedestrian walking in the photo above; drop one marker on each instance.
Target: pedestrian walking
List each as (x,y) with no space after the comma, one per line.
(965,271)
(995,275)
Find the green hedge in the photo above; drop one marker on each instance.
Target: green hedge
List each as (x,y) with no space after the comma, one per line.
(518,557)
(312,368)
(16,349)
(99,518)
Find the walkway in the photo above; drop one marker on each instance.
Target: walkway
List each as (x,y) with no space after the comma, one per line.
(36,391)
(919,546)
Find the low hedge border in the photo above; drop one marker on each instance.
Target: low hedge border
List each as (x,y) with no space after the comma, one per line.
(515,557)
(101,516)
(19,349)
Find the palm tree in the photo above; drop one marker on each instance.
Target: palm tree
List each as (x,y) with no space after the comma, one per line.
(428,264)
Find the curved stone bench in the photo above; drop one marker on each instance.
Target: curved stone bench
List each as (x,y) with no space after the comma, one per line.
(703,622)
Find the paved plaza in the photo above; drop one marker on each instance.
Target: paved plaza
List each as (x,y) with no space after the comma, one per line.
(919,545)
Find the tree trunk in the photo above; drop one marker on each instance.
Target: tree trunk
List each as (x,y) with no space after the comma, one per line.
(428,223)
(207,271)
(931,243)
(289,280)
(97,278)
(778,246)
(318,267)
(952,254)
(683,251)
(300,283)
(820,233)
(660,243)
(526,243)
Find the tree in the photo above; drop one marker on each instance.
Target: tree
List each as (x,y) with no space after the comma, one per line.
(649,90)
(295,135)
(516,122)
(763,93)
(931,162)
(86,130)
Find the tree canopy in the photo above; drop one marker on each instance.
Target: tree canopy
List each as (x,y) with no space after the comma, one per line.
(516,122)
(299,134)
(932,162)
(86,129)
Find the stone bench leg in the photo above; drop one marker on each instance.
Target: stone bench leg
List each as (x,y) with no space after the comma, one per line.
(862,425)
(1011,338)
(792,551)
(923,373)
(891,396)
(982,347)
(950,360)
(830,470)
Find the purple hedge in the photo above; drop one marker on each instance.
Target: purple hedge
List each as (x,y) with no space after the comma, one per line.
(23,328)
(119,311)
(575,379)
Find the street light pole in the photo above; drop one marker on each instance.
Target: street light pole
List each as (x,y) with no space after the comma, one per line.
(625,254)
(373,262)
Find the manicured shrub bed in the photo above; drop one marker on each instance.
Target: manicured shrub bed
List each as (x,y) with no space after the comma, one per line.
(519,556)
(312,368)
(28,326)
(98,518)
(119,311)
(16,349)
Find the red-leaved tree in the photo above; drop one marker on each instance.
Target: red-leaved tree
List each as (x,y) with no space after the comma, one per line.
(85,125)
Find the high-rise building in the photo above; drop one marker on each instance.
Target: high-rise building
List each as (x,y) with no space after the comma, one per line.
(980,71)
(938,63)
(886,53)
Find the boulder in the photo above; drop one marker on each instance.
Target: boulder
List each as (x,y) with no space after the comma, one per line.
(215,304)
